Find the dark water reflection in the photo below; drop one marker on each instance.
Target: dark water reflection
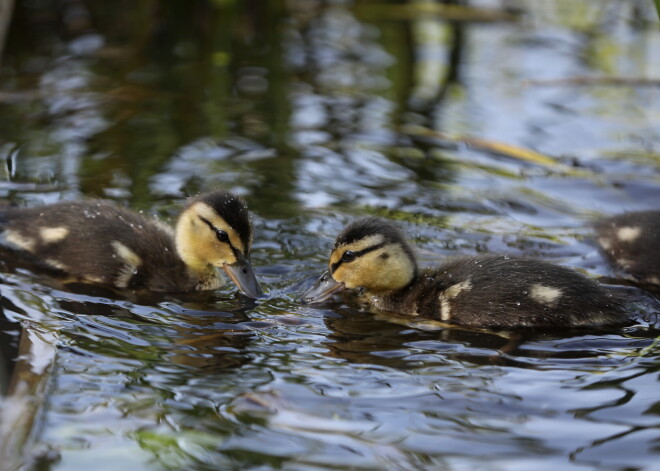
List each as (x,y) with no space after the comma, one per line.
(318,112)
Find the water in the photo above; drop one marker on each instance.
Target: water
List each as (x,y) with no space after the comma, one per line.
(317,113)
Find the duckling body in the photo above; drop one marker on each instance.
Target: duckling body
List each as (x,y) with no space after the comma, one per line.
(99,242)
(631,241)
(502,291)
(480,291)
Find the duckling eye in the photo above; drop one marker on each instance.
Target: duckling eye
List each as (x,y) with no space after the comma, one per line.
(348,256)
(222,236)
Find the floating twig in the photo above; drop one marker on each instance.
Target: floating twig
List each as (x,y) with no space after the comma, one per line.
(595,81)
(509,150)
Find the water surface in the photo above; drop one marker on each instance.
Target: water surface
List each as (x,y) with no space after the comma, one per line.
(474,135)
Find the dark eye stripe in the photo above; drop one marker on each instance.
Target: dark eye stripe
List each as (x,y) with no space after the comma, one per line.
(220,234)
(357,254)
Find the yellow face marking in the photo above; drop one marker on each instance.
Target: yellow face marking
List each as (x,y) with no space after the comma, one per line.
(198,245)
(356,246)
(205,211)
(50,235)
(20,241)
(387,268)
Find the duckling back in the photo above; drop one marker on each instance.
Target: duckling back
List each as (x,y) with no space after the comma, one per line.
(96,242)
(502,291)
(631,241)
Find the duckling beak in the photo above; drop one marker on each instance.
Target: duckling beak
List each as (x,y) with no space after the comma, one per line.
(241,273)
(322,289)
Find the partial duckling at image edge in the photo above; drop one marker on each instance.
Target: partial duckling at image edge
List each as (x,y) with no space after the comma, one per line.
(496,291)
(100,243)
(631,241)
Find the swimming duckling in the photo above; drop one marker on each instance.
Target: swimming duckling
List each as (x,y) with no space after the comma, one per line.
(101,243)
(479,291)
(631,241)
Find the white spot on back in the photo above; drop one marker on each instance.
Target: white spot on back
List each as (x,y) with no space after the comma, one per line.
(50,235)
(545,294)
(55,264)
(624,262)
(126,254)
(93,279)
(451,293)
(132,262)
(17,239)
(445,308)
(628,233)
(458,288)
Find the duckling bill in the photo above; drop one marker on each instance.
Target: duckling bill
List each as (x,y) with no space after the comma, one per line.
(101,243)
(481,291)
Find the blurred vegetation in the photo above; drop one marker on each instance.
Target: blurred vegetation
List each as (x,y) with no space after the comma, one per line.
(123,83)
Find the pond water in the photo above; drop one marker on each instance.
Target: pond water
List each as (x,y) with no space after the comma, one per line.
(486,133)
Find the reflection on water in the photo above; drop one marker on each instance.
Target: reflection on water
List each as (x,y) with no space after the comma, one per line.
(472,134)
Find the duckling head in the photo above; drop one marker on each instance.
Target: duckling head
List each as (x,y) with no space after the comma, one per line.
(369,253)
(214,230)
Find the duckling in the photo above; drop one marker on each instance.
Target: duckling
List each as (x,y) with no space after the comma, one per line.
(492,291)
(631,241)
(100,243)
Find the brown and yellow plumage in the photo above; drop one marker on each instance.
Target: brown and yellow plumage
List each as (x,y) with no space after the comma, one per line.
(99,242)
(479,291)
